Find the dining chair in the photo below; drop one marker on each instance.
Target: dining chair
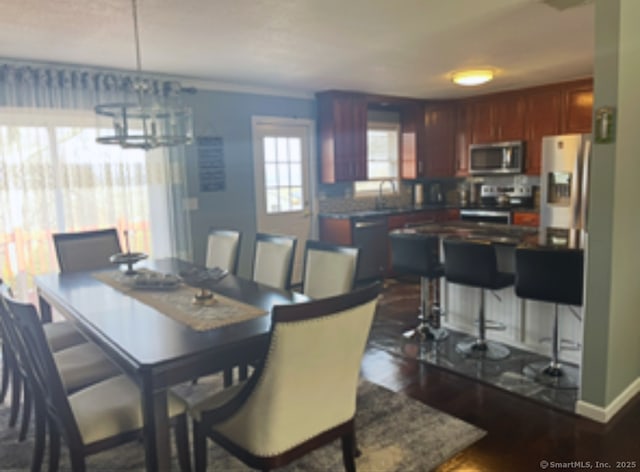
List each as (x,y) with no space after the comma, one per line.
(273,259)
(302,395)
(329,269)
(86,250)
(79,366)
(223,249)
(96,418)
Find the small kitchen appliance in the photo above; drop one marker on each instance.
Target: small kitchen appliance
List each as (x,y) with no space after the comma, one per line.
(496,158)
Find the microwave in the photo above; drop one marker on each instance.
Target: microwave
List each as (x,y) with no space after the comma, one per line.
(496,158)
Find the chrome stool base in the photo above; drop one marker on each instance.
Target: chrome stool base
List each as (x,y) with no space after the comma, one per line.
(478,349)
(554,375)
(426,333)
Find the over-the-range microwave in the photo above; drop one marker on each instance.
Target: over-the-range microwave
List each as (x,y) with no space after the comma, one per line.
(496,158)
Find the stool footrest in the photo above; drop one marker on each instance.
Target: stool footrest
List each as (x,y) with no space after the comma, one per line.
(491,324)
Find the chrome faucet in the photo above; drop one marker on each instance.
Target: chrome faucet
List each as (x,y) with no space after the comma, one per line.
(380,203)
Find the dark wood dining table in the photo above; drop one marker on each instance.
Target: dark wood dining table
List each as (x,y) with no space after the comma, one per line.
(153,349)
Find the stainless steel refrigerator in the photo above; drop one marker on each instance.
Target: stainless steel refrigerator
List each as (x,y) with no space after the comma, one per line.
(564,187)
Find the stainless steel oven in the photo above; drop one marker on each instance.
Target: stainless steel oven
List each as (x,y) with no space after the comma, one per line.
(486,215)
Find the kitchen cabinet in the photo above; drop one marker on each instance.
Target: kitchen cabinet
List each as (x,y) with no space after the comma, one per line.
(462,138)
(482,120)
(525,218)
(412,141)
(342,135)
(439,140)
(543,107)
(577,107)
(509,117)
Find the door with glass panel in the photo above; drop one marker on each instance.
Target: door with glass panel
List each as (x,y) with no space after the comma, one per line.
(283,149)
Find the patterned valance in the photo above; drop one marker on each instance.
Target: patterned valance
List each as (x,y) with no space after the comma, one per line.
(69,87)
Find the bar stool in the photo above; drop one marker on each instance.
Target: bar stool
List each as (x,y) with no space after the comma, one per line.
(474,264)
(419,254)
(555,276)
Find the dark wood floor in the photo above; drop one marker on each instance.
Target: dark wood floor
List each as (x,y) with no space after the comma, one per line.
(521,432)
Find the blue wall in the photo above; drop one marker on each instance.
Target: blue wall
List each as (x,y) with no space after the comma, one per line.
(228,115)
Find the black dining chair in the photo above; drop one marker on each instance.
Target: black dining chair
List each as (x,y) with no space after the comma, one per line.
(223,249)
(273,259)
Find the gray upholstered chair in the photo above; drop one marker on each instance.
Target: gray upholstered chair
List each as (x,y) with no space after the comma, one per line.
(273,260)
(302,395)
(102,416)
(86,250)
(329,269)
(223,249)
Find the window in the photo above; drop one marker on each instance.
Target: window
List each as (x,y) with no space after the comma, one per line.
(382,158)
(54,177)
(283,174)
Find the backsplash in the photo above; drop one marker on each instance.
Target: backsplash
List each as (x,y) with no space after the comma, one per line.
(339,198)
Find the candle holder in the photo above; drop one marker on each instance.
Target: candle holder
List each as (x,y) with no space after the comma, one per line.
(128,258)
(203,297)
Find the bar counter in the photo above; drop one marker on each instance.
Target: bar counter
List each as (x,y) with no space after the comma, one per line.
(508,235)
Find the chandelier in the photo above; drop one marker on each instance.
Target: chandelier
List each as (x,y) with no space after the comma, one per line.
(155,118)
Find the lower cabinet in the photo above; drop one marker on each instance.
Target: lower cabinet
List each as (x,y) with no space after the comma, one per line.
(526,218)
(371,235)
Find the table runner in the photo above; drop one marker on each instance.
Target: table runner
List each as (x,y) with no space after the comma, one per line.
(177,303)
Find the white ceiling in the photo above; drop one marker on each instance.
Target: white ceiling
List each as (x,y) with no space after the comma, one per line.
(395,47)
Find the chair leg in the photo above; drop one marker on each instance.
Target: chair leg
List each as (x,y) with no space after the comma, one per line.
(78,463)
(348,451)
(26,413)
(5,374)
(54,446)
(199,446)
(16,390)
(41,436)
(182,443)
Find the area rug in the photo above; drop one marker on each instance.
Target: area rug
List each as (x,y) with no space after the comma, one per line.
(395,433)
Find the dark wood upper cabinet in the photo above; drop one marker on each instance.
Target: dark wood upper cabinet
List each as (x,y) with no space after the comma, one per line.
(483,129)
(342,136)
(439,140)
(543,119)
(412,141)
(578,107)
(509,117)
(462,138)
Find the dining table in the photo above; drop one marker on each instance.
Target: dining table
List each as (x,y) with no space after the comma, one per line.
(155,350)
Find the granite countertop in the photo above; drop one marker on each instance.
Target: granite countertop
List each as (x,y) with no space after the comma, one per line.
(385,211)
(509,235)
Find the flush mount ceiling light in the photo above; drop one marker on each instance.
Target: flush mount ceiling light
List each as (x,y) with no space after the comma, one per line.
(470,78)
(155,118)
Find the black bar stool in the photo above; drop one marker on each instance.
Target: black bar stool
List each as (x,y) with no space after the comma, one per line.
(474,263)
(551,275)
(419,254)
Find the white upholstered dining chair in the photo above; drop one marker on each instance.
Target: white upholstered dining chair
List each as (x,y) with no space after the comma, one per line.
(223,249)
(273,259)
(329,269)
(302,395)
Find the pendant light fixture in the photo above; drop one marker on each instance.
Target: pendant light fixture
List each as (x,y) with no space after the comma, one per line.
(154,118)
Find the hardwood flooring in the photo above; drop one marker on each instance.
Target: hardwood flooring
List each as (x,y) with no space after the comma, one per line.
(521,433)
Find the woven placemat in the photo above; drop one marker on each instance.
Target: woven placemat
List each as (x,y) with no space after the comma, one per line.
(177,303)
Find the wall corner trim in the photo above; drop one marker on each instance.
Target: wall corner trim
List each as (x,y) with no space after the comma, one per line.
(603,415)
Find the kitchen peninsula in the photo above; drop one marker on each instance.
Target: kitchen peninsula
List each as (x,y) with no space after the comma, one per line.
(526,321)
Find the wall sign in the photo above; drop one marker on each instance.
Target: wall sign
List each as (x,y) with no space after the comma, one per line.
(211,168)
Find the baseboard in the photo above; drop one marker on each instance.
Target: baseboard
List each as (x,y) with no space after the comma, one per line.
(603,415)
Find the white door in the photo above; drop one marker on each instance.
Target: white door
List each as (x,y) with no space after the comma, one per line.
(283,157)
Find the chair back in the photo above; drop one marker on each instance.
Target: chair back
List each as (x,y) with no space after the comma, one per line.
(41,370)
(471,263)
(550,275)
(87,250)
(417,254)
(273,260)
(329,269)
(308,381)
(223,249)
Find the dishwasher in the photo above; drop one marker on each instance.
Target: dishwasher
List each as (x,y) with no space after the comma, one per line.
(371,235)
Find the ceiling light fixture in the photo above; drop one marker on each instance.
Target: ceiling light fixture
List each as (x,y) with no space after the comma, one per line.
(469,78)
(155,118)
